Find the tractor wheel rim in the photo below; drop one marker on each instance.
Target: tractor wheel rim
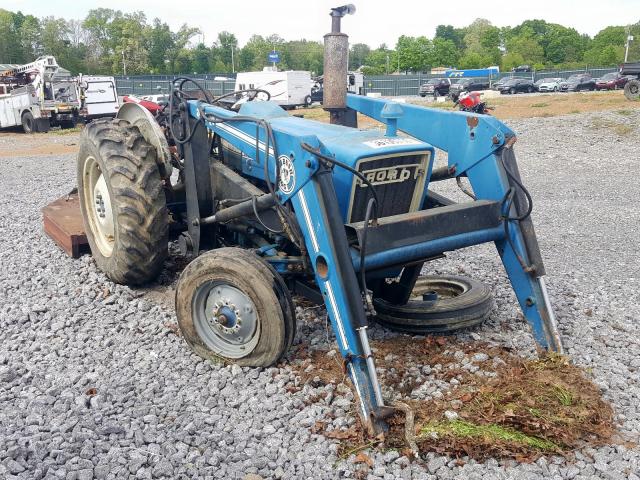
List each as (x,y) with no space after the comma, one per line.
(634,89)
(98,202)
(445,288)
(225,319)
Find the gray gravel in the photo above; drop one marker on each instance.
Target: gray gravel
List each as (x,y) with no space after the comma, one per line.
(94,382)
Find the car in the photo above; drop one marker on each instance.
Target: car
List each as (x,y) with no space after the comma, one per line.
(160,99)
(549,84)
(153,107)
(611,81)
(497,84)
(577,82)
(436,87)
(468,85)
(522,69)
(515,85)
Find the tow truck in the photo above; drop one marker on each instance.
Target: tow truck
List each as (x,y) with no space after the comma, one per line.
(30,98)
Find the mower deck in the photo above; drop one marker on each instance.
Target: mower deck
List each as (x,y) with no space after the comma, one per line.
(62,221)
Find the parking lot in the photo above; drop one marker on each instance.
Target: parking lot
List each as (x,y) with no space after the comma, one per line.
(96,382)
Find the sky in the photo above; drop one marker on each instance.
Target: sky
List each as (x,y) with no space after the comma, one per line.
(375,21)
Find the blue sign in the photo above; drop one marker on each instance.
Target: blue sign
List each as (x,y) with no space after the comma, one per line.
(475,72)
(274,57)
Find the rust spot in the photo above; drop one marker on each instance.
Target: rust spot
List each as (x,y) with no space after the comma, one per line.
(510,141)
(321,266)
(472,122)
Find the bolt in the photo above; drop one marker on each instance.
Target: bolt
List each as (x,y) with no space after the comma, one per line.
(223,320)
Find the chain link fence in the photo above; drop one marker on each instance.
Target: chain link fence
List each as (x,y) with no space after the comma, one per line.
(386,85)
(155,84)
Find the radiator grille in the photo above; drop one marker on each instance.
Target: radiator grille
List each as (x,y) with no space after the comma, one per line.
(399,182)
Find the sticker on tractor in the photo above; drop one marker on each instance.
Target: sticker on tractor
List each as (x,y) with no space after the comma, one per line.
(287,175)
(390,142)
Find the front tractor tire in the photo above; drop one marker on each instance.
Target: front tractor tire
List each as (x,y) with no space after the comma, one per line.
(122,202)
(233,306)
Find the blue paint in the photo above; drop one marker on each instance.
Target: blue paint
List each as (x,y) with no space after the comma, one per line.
(427,249)
(472,142)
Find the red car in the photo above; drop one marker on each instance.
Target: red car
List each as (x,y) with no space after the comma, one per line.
(151,106)
(611,81)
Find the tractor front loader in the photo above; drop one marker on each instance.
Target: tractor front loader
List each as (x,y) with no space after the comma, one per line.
(269,205)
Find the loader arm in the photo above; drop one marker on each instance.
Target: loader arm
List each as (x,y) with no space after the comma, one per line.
(480,146)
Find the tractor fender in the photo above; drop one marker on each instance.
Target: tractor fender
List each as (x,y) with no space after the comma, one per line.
(140,117)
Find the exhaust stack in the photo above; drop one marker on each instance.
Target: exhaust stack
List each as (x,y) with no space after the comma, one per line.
(336,63)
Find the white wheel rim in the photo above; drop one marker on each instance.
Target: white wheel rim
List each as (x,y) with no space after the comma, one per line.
(98,205)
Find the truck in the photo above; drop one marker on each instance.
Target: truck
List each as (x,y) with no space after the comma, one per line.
(632,87)
(99,96)
(30,97)
(289,89)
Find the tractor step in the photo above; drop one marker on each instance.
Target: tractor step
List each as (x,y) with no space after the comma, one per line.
(62,221)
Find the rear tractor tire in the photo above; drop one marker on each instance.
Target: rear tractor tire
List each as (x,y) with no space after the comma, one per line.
(632,90)
(122,202)
(233,306)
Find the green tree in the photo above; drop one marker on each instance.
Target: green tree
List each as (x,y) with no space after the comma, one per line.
(357,55)
(448,32)
(414,53)
(227,45)
(526,45)
(200,58)
(445,53)
(379,61)
(607,47)
(160,43)
(9,36)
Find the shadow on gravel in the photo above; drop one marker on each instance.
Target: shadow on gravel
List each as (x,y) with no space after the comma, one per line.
(490,402)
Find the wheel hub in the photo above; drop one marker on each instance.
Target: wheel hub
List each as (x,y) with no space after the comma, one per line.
(226,319)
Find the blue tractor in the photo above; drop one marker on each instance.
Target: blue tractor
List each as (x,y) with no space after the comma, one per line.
(269,205)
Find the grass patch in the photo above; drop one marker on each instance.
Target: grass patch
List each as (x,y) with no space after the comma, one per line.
(619,128)
(540,105)
(526,408)
(488,433)
(65,131)
(624,112)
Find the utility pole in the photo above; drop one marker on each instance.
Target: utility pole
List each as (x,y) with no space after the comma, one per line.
(124,65)
(233,65)
(387,69)
(626,48)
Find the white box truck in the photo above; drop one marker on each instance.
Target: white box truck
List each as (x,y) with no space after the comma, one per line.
(288,89)
(99,96)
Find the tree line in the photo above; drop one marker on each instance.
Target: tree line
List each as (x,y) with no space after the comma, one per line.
(111,42)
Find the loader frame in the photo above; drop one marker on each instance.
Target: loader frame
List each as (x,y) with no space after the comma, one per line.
(479,147)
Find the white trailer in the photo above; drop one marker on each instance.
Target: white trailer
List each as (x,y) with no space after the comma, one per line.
(288,89)
(99,96)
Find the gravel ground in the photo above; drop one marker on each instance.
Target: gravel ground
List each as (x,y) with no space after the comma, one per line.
(95,383)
